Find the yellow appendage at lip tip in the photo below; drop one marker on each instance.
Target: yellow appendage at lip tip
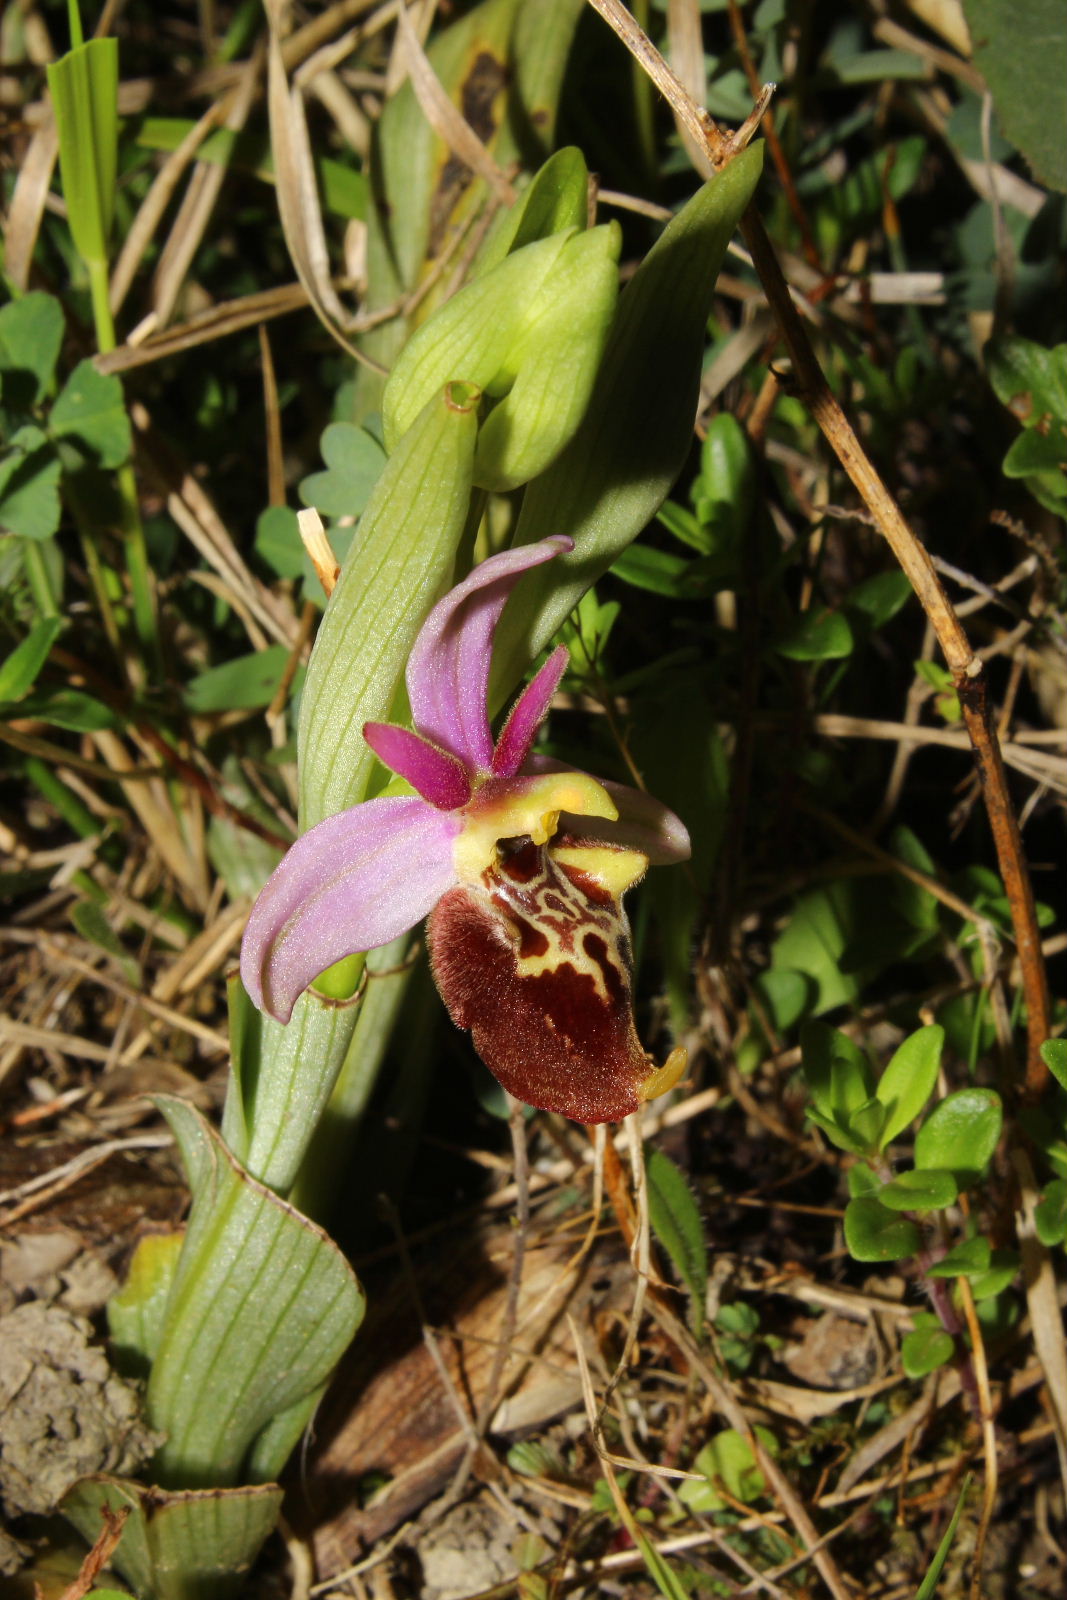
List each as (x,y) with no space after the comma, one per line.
(517,808)
(664,1078)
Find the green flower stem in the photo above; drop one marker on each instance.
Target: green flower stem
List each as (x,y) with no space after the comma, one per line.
(295,1069)
(331,1144)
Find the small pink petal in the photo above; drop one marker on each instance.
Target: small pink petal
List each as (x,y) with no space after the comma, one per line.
(439,777)
(448,671)
(643,823)
(352,883)
(527,715)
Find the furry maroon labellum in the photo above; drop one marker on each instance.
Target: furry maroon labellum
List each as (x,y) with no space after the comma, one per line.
(536,961)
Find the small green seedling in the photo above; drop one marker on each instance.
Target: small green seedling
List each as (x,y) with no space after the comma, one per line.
(885,1219)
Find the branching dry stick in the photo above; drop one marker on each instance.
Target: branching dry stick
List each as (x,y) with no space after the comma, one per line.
(966,668)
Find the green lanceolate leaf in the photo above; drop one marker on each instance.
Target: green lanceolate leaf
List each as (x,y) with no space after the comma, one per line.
(926,1348)
(261,1308)
(183,1546)
(919,1190)
(961,1134)
(615,473)
(928,1588)
(31,333)
(242,684)
(874,1233)
(908,1081)
(677,1224)
(19,672)
(84,86)
(399,565)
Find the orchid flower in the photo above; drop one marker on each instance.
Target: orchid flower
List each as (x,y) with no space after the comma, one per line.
(519,864)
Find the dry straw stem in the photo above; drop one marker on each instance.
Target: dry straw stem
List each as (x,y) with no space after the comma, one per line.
(966,667)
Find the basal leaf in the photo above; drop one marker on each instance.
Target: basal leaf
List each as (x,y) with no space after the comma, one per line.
(261,1308)
(175,1546)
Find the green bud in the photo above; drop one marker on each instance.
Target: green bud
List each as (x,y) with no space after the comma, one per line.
(530,333)
(556,199)
(554,364)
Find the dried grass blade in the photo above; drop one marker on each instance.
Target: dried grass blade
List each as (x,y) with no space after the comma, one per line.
(1043,1302)
(28,202)
(156,201)
(199,202)
(298,200)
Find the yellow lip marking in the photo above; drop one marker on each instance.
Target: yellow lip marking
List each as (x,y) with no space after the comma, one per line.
(513,808)
(663,1078)
(614,870)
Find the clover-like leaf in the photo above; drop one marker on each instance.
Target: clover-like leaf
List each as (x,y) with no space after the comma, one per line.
(861,1181)
(1050,1213)
(29,486)
(920,1190)
(874,1233)
(819,635)
(31,333)
(728,1459)
(961,1134)
(970,1255)
(1003,1267)
(926,1348)
(908,1081)
(354,461)
(90,414)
